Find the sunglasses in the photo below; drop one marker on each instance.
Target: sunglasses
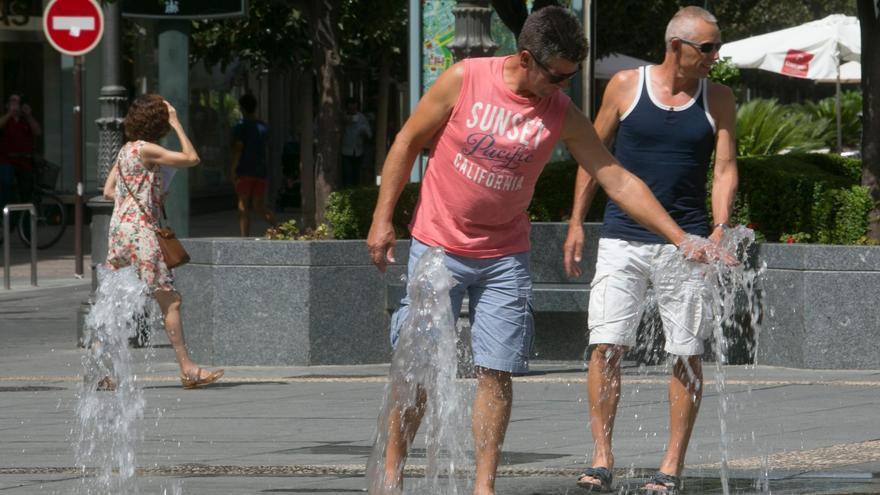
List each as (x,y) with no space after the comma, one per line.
(703,47)
(553,77)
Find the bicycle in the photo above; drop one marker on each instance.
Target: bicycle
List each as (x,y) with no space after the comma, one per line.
(51,214)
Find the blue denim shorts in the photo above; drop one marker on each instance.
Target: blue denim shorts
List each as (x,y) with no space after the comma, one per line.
(500,293)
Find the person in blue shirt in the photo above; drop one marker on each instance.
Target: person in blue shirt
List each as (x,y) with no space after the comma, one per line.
(250,138)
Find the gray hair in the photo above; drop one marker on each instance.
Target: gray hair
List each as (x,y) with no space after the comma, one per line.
(682,24)
(553,32)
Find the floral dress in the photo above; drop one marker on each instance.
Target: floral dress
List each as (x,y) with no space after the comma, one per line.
(132,235)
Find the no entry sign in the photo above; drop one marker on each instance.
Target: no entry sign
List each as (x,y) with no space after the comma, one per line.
(73,27)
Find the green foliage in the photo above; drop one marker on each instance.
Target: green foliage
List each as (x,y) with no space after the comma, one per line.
(851,123)
(350,211)
(782,195)
(274,35)
(620,19)
(851,168)
(288,231)
(724,72)
(764,127)
(795,238)
(841,215)
(554,193)
(805,197)
(808,197)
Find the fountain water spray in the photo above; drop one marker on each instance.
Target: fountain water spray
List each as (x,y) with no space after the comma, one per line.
(736,308)
(423,374)
(106,433)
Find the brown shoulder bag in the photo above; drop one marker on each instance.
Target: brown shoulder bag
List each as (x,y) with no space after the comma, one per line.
(172,250)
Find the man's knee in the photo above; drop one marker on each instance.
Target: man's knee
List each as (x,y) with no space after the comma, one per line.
(500,381)
(608,353)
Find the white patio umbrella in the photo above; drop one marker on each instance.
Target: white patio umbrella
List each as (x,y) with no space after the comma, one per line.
(613,63)
(818,50)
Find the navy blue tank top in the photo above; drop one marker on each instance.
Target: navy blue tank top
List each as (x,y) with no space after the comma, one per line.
(669,148)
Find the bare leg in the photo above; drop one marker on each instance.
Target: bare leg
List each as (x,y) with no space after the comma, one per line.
(603,390)
(685,394)
(244,215)
(260,207)
(169,301)
(492,406)
(402,428)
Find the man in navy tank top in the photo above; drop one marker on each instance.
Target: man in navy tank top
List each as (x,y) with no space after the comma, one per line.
(665,122)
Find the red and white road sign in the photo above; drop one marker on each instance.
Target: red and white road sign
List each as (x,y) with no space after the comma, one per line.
(73,27)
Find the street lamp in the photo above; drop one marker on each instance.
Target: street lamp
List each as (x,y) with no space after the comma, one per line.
(473,33)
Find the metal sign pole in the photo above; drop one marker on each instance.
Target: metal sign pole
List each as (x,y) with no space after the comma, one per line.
(77,165)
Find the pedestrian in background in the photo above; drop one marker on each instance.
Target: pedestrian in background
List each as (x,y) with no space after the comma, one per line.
(135,184)
(250,138)
(18,132)
(357,131)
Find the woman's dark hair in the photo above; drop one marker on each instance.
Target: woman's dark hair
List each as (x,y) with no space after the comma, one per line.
(553,32)
(147,119)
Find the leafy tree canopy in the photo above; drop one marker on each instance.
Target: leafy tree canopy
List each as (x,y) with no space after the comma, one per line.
(636,28)
(276,34)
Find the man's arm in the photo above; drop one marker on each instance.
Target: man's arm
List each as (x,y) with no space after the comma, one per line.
(157,155)
(722,107)
(428,118)
(32,122)
(236,150)
(366,131)
(618,92)
(624,188)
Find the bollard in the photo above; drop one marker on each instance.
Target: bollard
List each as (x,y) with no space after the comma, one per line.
(7,241)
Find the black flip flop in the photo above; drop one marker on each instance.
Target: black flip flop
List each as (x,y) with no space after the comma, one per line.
(672,483)
(603,474)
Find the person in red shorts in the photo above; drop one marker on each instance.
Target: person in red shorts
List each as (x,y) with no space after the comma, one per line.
(249,142)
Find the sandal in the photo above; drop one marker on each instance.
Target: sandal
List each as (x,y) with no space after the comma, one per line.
(106,385)
(601,474)
(199,381)
(672,484)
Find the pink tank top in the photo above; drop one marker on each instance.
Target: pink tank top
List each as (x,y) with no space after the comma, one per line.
(483,166)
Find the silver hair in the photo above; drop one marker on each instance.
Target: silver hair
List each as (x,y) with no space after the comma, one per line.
(682,23)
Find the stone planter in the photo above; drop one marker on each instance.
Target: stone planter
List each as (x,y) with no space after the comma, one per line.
(278,303)
(821,306)
(270,303)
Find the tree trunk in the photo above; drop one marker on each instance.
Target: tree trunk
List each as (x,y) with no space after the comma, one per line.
(325,38)
(307,149)
(869,16)
(382,114)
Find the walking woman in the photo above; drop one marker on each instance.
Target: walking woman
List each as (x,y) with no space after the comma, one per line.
(135,182)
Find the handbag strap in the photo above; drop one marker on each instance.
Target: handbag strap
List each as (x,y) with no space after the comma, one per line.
(132,195)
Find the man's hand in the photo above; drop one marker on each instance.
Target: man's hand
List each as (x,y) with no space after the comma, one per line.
(26,110)
(380,243)
(703,250)
(573,249)
(716,235)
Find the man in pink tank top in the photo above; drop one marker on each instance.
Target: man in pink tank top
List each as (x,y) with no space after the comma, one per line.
(491,125)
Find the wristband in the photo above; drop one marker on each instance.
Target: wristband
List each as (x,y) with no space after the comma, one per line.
(723,226)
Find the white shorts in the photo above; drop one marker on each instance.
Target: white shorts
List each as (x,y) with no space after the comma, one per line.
(624,269)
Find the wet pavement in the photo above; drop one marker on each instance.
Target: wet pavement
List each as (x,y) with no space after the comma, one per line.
(266,430)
